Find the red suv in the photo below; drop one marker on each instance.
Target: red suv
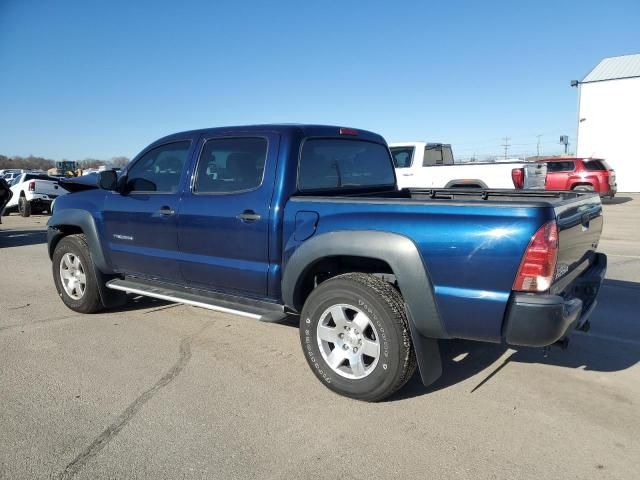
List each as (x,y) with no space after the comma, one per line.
(581,174)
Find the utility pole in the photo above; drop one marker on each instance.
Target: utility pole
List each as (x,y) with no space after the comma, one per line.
(506,146)
(538,146)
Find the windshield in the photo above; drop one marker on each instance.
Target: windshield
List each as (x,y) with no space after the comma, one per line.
(330,163)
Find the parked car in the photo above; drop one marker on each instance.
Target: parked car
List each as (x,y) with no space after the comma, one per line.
(431,165)
(262,221)
(582,175)
(10,174)
(33,193)
(5,195)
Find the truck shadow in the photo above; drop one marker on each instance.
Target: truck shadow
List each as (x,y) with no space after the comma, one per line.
(616,200)
(21,238)
(613,344)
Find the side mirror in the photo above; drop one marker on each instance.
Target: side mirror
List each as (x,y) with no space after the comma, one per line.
(108,180)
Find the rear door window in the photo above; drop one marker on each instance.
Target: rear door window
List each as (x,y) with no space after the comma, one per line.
(402,156)
(567,166)
(331,163)
(228,165)
(433,156)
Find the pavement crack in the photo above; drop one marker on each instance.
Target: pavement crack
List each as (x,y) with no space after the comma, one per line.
(125,417)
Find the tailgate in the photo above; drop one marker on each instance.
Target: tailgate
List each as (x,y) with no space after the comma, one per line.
(579,227)
(535,176)
(48,187)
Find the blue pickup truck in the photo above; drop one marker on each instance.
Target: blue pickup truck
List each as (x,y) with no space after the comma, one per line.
(268,221)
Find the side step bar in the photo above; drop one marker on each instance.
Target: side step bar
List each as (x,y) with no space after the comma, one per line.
(259,310)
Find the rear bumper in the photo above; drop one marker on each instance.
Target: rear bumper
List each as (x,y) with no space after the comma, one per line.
(535,320)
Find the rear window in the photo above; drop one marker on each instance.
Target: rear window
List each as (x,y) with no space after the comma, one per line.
(437,154)
(402,156)
(33,176)
(596,165)
(560,166)
(330,163)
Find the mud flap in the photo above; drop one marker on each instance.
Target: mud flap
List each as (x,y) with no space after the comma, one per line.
(109,298)
(427,355)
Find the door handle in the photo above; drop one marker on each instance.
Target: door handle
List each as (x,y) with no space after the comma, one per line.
(166,211)
(249,216)
(407,174)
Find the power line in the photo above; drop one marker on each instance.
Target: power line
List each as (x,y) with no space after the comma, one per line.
(506,146)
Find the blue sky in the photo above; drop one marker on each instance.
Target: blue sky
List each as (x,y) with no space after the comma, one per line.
(101,79)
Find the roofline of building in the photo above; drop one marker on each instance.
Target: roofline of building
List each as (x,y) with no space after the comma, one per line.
(609,79)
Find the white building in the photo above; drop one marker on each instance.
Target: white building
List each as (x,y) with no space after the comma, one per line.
(609,118)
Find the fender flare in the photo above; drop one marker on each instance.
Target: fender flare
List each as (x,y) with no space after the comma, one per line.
(83,220)
(466,181)
(398,251)
(405,261)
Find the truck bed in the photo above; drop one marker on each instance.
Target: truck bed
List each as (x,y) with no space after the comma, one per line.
(471,241)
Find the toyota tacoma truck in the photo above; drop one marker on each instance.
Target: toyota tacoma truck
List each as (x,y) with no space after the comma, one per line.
(431,165)
(276,220)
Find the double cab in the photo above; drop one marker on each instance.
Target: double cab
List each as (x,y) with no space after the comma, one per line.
(275,221)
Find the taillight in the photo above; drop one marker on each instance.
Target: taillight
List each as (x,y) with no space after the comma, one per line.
(32,186)
(348,131)
(538,265)
(517,175)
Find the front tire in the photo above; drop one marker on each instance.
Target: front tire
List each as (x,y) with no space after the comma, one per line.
(74,276)
(355,337)
(24,207)
(583,188)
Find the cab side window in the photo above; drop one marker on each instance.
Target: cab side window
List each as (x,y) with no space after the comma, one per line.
(402,157)
(159,170)
(228,165)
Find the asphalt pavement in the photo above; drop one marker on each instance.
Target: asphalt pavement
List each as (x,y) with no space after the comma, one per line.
(163,391)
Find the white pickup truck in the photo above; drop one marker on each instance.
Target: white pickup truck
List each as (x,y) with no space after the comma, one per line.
(33,193)
(431,165)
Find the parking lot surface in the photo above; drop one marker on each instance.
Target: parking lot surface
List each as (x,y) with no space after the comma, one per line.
(163,391)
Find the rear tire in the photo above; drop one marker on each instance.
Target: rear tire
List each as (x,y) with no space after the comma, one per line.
(74,276)
(355,337)
(24,207)
(583,188)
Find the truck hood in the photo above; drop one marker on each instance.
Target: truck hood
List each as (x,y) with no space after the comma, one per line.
(79,184)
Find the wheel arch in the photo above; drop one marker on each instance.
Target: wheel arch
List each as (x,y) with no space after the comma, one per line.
(390,252)
(73,221)
(466,183)
(403,259)
(582,184)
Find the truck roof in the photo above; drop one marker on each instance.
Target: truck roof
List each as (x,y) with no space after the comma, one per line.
(417,144)
(296,129)
(568,159)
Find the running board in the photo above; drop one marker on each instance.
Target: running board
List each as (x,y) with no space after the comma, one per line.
(259,310)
